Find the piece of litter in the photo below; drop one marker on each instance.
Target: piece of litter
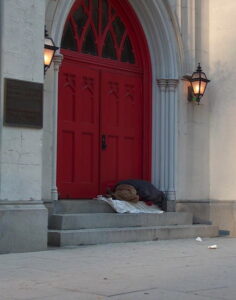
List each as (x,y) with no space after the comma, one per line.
(199,239)
(213,247)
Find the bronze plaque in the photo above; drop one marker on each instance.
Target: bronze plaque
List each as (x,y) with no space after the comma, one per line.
(23,103)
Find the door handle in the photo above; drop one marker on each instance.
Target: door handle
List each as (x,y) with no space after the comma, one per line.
(104,144)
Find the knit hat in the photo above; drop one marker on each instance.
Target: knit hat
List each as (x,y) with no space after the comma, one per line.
(126,192)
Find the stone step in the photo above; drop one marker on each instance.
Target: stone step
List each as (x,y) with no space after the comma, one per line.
(82,206)
(113,220)
(130,234)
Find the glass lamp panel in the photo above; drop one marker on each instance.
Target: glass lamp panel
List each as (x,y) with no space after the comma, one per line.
(196,87)
(48,55)
(196,75)
(203,87)
(48,41)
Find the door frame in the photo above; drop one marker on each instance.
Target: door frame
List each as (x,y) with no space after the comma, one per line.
(166,51)
(143,67)
(102,64)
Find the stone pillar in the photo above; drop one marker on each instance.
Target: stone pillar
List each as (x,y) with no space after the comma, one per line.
(167,158)
(162,85)
(23,217)
(171,86)
(57,60)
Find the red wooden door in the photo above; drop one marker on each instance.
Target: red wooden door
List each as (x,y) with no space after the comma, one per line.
(121,127)
(78,131)
(104,115)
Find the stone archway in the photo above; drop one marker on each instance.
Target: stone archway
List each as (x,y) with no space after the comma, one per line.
(165,51)
(104,94)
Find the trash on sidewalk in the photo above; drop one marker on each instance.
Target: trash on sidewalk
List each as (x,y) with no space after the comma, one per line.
(199,239)
(213,247)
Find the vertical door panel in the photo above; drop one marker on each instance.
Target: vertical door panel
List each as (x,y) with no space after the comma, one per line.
(68,148)
(121,121)
(110,172)
(78,131)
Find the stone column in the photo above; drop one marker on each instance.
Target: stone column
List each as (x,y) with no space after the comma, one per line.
(171,87)
(57,60)
(167,158)
(162,83)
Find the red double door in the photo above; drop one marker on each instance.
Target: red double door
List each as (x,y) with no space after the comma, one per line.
(100,128)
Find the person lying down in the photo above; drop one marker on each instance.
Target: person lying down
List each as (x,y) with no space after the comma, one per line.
(134,190)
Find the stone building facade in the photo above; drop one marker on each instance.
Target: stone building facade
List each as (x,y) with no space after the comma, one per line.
(191,147)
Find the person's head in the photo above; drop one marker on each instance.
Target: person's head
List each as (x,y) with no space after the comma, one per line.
(126,192)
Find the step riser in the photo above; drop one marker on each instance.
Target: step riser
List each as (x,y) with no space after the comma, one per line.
(82,206)
(71,238)
(83,221)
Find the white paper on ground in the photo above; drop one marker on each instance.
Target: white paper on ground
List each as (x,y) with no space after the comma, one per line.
(213,247)
(128,207)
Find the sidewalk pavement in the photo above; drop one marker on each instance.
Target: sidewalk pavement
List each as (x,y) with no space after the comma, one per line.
(160,270)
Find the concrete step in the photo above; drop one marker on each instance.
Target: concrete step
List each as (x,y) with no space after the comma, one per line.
(82,206)
(128,234)
(115,220)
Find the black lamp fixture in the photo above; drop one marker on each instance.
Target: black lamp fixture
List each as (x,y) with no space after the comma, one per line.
(198,86)
(49,50)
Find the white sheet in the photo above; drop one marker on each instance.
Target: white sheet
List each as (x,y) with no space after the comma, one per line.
(128,207)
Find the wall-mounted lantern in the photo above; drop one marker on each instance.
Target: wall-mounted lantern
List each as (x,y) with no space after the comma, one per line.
(198,86)
(49,51)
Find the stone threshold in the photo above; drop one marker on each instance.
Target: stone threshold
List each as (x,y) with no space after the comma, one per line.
(206,201)
(20,202)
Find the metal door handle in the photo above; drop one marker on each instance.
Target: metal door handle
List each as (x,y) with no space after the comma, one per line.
(104,145)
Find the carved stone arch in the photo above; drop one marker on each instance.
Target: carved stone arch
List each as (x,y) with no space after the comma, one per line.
(159,24)
(165,49)
(55,21)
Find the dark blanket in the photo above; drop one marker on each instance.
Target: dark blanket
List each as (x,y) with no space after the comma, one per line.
(147,192)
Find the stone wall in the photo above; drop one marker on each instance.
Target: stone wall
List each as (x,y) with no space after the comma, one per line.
(222,100)
(23,217)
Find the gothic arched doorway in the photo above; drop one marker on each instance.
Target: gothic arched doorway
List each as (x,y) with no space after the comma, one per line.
(104,113)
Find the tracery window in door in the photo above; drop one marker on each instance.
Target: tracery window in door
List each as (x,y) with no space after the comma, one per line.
(95,28)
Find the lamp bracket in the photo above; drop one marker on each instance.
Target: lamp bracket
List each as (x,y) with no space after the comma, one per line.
(191,97)
(186,77)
